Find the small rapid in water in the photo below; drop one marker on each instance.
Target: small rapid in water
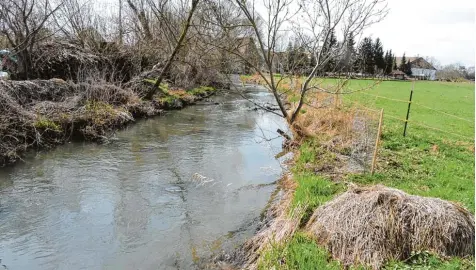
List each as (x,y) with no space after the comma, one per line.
(166,193)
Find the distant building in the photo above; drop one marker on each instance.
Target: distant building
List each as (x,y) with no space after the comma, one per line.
(397,74)
(421,68)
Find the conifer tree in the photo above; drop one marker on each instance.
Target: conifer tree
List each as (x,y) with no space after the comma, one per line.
(403,63)
(378,55)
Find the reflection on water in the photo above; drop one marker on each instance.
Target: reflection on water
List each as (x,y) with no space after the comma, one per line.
(166,192)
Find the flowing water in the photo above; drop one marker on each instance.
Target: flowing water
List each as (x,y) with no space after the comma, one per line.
(166,193)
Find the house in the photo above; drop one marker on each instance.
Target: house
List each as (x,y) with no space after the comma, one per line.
(398,74)
(420,68)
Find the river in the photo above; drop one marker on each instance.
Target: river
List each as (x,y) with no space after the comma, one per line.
(166,193)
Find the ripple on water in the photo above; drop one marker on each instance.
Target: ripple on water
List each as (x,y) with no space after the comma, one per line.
(135,203)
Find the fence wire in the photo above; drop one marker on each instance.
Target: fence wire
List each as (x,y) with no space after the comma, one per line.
(413,122)
(365,125)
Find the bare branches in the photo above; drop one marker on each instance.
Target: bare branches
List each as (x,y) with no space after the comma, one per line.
(22,23)
(313,23)
(171,58)
(142,18)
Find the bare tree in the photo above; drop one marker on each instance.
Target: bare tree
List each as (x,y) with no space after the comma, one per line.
(470,73)
(433,61)
(85,22)
(120,24)
(454,73)
(312,23)
(73,18)
(23,23)
(175,51)
(139,11)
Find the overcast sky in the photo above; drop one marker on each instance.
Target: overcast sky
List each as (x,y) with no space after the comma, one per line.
(444,29)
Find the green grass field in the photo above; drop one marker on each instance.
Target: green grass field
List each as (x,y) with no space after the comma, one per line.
(426,162)
(410,163)
(456,99)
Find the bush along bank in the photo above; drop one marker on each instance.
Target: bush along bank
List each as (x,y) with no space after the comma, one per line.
(40,114)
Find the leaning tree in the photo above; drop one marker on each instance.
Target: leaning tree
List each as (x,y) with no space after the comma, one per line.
(312,23)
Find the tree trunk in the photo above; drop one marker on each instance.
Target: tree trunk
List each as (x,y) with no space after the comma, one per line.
(166,68)
(144,22)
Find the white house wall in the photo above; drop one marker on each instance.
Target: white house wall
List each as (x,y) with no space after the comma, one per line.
(428,73)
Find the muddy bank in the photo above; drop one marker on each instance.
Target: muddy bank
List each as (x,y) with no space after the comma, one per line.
(40,114)
(275,226)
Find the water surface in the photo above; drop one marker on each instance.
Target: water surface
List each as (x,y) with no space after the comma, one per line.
(165,193)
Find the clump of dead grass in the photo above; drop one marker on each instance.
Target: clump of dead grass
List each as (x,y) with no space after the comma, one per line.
(377,224)
(253,79)
(320,117)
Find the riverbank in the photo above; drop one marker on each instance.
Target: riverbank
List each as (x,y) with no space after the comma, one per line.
(423,163)
(422,173)
(40,114)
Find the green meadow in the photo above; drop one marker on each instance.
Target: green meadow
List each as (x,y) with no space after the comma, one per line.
(434,162)
(448,107)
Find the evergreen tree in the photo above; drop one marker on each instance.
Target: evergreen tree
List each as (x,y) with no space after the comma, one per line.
(301,60)
(328,49)
(297,60)
(312,61)
(408,68)
(350,54)
(291,57)
(395,63)
(386,57)
(403,63)
(388,62)
(378,55)
(366,61)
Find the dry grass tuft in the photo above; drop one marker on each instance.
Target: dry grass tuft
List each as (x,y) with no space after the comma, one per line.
(376,224)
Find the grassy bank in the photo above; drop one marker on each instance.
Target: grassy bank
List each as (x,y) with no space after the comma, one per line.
(411,167)
(427,162)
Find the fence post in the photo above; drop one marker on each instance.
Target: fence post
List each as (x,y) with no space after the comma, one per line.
(379,131)
(408,110)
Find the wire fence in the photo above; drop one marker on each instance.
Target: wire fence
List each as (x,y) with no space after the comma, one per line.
(354,131)
(421,105)
(418,123)
(366,128)
(368,121)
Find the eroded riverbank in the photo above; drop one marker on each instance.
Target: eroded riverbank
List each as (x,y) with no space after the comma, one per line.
(39,114)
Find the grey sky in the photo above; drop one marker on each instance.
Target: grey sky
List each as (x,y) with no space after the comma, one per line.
(444,29)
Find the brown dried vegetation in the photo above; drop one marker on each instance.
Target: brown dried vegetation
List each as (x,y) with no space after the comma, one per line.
(43,113)
(374,225)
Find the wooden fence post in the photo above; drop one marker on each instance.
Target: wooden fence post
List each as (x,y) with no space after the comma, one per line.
(408,110)
(377,140)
